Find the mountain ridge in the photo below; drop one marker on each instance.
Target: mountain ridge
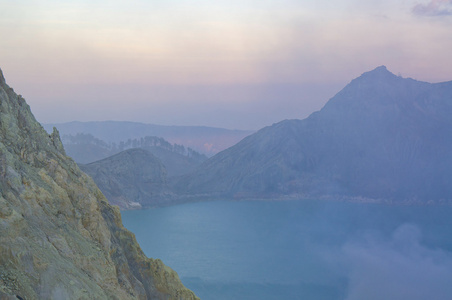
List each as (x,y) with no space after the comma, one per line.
(206,140)
(377,138)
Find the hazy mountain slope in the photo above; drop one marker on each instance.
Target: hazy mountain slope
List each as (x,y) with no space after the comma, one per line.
(85,148)
(178,160)
(206,140)
(382,136)
(175,163)
(130,179)
(59,238)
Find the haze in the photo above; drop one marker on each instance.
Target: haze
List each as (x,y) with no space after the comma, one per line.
(234,64)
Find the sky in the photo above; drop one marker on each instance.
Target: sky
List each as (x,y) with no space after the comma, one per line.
(237,64)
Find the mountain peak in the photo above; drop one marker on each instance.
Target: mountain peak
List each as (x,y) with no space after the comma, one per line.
(377,75)
(381,68)
(379,72)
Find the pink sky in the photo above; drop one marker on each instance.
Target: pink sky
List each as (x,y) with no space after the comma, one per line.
(235,64)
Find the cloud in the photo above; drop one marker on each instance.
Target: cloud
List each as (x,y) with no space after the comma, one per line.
(434,8)
(398,268)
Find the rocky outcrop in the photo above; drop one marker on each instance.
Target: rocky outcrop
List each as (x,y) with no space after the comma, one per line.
(59,237)
(131,179)
(381,137)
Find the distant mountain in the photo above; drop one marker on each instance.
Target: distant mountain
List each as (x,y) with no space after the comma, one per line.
(381,137)
(130,179)
(177,159)
(176,164)
(206,140)
(85,148)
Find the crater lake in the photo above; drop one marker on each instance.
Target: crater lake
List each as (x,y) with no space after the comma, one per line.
(301,249)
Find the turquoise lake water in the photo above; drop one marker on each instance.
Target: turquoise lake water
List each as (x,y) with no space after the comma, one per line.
(302,249)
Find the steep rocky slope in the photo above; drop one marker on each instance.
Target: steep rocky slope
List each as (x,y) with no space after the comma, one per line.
(59,238)
(130,179)
(381,137)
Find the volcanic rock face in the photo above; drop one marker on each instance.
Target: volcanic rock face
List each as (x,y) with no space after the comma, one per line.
(59,238)
(381,137)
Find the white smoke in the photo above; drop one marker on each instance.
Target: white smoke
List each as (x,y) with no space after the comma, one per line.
(399,268)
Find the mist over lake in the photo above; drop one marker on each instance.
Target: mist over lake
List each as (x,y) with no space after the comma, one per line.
(302,249)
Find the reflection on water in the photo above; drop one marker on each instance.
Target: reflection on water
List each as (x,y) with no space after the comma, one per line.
(301,249)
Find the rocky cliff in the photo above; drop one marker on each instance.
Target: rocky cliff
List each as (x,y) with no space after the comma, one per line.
(381,137)
(59,238)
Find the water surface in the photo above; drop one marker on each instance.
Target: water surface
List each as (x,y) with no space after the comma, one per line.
(301,249)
